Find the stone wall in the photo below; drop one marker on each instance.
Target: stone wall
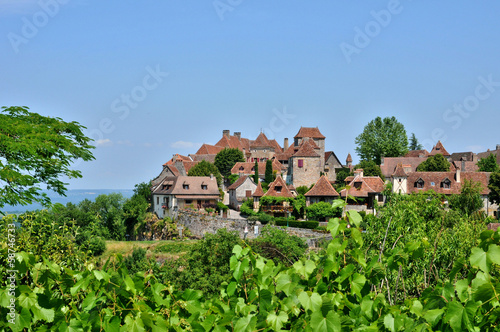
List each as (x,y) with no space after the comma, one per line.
(200,224)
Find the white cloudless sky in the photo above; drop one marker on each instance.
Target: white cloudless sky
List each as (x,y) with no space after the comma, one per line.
(152,78)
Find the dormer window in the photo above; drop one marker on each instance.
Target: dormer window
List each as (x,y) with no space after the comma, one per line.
(446,184)
(204,187)
(357,185)
(278,189)
(419,184)
(185,186)
(243,168)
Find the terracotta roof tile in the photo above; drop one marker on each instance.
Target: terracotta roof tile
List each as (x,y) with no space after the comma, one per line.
(309,132)
(390,164)
(306,149)
(239,182)
(417,153)
(439,149)
(433,180)
(209,149)
(176,186)
(260,142)
(457,156)
(207,157)
(349,158)
(363,186)
(259,192)
(322,187)
(247,167)
(400,172)
(283,190)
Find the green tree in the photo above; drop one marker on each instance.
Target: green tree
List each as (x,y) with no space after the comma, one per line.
(436,163)
(34,150)
(469,200)
(256,172)
(494,187)
(414,144)
(302,190)
(269,172)
(370,168)
(205,168)
(382,137)
(488,164)
(341,176)
(143,189)
(226,159)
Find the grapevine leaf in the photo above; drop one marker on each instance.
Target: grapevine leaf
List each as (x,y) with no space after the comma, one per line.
(330,323)
(277,321)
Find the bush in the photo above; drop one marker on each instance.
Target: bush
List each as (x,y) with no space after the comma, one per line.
(322,211)
(247,208)
(137,261)
(97,246)
(310,224)
(264,218)
(274,243)
(222,207)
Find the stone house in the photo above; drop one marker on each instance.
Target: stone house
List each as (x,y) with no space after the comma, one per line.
(277,188)
(366,191)
(447,183)
(176,192)
(322,191)
(248,168)
(240,191)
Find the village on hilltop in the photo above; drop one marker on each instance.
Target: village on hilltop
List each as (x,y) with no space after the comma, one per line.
(305,162)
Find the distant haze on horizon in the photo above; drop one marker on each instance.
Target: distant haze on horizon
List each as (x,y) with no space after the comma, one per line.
(152,79)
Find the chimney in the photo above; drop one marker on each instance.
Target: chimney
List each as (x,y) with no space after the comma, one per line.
(358,172)
(285,144)
(238,134)
(211,176)
(498,146)
(458,174)
(382,160)
(462,167)
(174,158)
(225,133)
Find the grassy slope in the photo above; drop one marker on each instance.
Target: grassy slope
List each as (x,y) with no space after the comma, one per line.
(158,249)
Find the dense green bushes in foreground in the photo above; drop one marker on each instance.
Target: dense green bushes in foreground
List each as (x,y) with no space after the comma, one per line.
(341,288)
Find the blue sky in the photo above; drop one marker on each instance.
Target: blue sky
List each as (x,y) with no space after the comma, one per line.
(153,78)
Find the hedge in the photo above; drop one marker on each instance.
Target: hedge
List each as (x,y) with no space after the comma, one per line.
(299,224)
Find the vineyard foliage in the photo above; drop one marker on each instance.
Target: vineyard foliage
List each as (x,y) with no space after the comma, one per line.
(356,283)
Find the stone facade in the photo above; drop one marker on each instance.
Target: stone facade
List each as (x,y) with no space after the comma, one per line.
(241,190)
(306,174)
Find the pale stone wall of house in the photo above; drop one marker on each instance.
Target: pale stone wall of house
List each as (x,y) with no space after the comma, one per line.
(262,153)
(308,174)
(239,194)
(400,185)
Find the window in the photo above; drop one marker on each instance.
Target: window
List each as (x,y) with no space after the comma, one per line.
(300,162)
(419,183)
(243,168)
(446,184)
(189,201)
(278,189)
(185,186)
(204,187)
(248,193)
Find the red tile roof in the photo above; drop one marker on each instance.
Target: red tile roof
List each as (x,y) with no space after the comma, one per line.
(209,149)
(349,158)
(400,172)
(362,186)
(433,180)
(276,145)
(178,157)
(439,149)
(261,142)
(309,132)
(175,186)
(323,188)
(306,149)
(247,167)
(278,183)
(239,182)
(390,164)
(189,164)
(259,192)
(417,153)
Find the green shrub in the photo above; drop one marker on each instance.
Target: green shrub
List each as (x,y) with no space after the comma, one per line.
(221,207)
(264,218)
(278,245)
(322,211)
(309,224)
(137,261)
(247,208)
(97,246)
